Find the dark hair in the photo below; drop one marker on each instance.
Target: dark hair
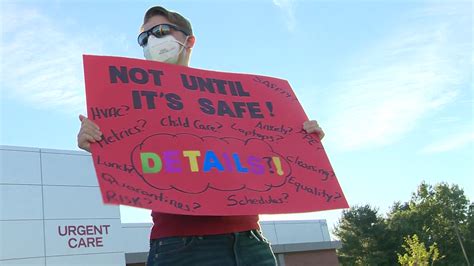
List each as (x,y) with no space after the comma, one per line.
(173,17)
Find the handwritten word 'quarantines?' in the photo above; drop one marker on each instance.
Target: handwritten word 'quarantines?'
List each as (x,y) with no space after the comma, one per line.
(143,197)
(174,162)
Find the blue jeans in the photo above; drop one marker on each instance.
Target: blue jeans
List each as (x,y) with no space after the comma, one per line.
(239,249)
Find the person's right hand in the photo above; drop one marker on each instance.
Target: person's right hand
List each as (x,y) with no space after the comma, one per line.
(88,133)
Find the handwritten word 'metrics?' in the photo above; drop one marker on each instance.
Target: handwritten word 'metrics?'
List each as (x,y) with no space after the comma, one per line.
(173,161)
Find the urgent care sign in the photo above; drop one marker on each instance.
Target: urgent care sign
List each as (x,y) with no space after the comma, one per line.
(83,236)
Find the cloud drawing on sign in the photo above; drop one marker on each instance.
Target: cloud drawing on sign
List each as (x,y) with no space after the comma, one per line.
(194,164)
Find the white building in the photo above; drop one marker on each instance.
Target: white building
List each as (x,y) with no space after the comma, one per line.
(51,213)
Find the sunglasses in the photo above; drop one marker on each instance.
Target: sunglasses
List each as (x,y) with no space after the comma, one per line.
(158,31)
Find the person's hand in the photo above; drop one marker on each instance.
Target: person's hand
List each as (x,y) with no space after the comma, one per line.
(313,127)
(88,133)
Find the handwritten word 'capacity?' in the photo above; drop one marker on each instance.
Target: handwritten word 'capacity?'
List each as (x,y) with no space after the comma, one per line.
(173,161)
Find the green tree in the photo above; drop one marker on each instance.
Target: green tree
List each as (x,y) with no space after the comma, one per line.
(361,231)
(416,253)
(468,238)
(435,214)
(439,214)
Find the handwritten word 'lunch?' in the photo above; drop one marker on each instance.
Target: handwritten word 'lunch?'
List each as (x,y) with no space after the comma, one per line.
(173,161)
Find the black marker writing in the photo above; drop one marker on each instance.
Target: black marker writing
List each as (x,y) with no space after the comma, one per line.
(234,200)
(118,135)
(171,121)
(253,133)
(198,124)
(148,197)
(119,166)
(325,173)
(300,187)
(280,128)
(108,112)
(272,86)
(309,138)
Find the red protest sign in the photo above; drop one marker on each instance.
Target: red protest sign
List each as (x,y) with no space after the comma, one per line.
(190,141)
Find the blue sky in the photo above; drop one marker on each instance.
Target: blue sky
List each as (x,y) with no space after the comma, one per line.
(390,82)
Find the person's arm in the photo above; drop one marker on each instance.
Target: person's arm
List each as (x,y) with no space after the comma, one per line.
(88,133)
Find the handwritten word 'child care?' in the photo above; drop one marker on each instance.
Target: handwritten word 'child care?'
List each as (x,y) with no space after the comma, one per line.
(175,162)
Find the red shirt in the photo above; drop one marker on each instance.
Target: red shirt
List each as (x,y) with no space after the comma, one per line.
(165,225)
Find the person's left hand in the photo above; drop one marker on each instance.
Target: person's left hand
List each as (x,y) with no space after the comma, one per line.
(312,126)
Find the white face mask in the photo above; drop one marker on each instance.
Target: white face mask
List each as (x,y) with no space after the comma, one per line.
(165,49)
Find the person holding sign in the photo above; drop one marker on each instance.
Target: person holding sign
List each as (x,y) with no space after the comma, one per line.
(167,36)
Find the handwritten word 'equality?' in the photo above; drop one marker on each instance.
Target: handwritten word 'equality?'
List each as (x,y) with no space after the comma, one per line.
(300,187)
